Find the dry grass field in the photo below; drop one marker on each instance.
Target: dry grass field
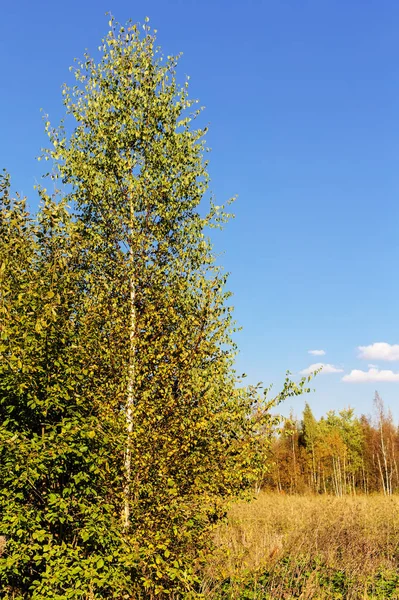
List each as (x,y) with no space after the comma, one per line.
(305,547)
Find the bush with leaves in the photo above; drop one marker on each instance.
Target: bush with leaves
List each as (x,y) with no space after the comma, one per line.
(124,431)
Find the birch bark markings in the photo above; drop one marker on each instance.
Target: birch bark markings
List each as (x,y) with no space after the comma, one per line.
(131,373)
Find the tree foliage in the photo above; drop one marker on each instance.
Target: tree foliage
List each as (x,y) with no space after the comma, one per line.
(337,454)
(124,431)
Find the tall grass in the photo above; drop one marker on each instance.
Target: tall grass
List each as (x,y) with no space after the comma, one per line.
(307,547)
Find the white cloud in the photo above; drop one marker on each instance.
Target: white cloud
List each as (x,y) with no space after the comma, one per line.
(317,352)
(326,369)
(379,351)
(373,366)
(373,374)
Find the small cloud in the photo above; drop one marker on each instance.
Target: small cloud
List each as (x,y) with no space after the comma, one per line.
(373,374)
(325,369)
(317,352)
(372,366)
(379,351)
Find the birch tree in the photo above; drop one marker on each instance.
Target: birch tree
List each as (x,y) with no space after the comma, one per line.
(141,432)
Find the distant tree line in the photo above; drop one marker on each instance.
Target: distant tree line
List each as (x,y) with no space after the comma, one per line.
(340,453)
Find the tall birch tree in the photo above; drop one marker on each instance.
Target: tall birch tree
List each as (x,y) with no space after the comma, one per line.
(154,430)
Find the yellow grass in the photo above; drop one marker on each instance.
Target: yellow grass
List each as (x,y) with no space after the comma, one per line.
(354,537)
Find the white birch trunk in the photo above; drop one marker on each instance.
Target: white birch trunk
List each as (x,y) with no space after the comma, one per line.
(130,398)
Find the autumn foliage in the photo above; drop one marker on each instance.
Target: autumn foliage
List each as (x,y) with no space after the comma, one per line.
(124,431)
(341,453)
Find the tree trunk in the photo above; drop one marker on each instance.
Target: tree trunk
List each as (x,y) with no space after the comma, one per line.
(131,379)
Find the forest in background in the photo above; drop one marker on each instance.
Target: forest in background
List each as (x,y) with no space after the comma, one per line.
(128,444)
(341,453)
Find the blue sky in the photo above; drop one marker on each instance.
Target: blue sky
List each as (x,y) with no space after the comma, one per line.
(302,100)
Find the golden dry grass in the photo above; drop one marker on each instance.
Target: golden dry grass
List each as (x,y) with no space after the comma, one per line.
(301,539)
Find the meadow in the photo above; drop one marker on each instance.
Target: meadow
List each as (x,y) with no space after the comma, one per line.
(125,429)
(322,547)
